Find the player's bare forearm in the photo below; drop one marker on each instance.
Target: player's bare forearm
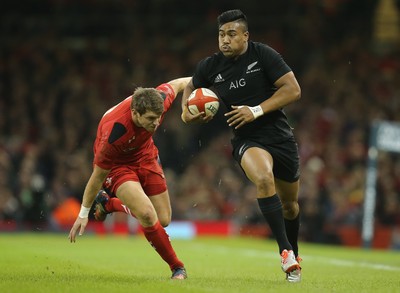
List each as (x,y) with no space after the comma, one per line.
(179,84)
(288,91)
(94,185)
(186,93)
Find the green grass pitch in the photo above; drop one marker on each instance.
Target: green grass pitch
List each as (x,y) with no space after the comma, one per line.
(40,262)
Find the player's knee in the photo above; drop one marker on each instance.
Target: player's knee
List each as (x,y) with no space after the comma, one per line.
(290,209)
(147,216)
(165,221)
(264,182)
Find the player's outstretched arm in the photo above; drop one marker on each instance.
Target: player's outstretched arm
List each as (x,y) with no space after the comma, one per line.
(92,188)
(179,84)
(288,91)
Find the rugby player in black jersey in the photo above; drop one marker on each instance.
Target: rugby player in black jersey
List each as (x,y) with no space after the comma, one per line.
(255,83)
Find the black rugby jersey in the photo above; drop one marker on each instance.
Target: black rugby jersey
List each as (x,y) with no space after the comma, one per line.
(248,80)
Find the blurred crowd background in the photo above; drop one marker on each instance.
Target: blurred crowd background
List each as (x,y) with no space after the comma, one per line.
(64,63)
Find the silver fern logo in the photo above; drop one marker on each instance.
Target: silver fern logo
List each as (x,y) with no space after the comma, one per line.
(251,66)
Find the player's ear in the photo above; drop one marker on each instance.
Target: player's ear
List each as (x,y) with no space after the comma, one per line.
(134,112)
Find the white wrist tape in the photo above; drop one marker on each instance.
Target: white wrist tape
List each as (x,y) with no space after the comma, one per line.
(84,212)
(257,111)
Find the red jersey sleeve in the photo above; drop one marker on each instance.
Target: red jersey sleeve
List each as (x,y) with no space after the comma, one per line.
(168,95)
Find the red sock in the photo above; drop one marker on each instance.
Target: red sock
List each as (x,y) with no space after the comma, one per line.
(114,204)
(159,239)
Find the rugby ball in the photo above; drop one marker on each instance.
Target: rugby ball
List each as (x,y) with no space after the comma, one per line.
(203,100)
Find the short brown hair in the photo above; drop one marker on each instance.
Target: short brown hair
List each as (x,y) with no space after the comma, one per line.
(147,99)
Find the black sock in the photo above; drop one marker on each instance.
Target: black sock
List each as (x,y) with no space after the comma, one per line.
(292,232)
(271,208)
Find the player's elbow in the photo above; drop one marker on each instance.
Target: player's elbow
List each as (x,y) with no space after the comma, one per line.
(297,94)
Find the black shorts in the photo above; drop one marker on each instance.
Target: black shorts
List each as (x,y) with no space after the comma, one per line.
(285,155)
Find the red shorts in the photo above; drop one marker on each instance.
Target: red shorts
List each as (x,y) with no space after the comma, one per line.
(149,174)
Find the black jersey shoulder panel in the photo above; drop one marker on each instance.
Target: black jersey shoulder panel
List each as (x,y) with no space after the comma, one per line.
(117,132)
(163,95)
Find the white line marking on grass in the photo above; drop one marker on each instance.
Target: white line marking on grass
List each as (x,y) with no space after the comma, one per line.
(330,260)
(349,263)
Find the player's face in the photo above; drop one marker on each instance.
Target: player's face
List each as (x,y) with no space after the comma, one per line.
(149,120)
(232,39)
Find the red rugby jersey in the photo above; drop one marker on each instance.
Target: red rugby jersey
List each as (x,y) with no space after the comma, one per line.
(134,144)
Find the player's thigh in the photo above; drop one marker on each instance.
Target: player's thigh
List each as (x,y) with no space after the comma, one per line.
(257,164)
(162,205)
(133,196)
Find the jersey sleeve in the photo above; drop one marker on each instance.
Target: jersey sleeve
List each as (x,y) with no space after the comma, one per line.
(168,94)
(274,65)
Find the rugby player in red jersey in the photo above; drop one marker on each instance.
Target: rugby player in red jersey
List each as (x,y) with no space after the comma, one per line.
(126,165)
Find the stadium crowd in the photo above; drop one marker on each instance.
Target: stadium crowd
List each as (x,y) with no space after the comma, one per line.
(63,64)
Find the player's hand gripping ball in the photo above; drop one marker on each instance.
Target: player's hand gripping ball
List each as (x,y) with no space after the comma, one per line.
(203,100)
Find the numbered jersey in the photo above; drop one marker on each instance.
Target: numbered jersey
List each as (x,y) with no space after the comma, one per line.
(120,142)
(248,80)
